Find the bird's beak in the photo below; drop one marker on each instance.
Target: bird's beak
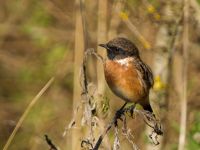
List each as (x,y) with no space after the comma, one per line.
(103,45)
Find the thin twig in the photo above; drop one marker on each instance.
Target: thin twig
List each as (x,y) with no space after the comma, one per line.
(128,135)
(72,122)
(50,143)
(116,144)
(32,103)
(133,29)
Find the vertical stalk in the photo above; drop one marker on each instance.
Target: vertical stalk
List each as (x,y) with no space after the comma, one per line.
(163,70)
(78,57)
(184,79)
(101,38)
(115,18)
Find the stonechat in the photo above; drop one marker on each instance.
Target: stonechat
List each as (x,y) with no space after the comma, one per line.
(126,74)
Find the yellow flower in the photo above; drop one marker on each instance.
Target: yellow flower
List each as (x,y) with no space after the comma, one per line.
(151,9)
(157,16)
(123,15)
(158,85)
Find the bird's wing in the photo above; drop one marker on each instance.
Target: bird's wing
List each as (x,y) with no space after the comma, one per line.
(146,73)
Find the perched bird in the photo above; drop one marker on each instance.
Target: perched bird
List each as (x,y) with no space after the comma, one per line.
(126,74)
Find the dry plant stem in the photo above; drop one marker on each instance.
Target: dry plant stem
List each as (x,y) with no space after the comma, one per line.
(78,57)
(128,135)
(32,103)
(91,51)
(184,69)
(86,98)
(116,144)
(172,50)
(165,47)
(50,143)
(147,117)
(115,19)
(58,11)
(83,17)
(101,38)
(72,122)
(139,36)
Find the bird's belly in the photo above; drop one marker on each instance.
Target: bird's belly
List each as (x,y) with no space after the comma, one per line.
(124,81)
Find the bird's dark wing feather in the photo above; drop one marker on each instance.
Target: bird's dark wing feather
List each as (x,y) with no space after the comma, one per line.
(146,73)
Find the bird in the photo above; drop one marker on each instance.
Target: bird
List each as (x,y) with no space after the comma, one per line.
(126,74)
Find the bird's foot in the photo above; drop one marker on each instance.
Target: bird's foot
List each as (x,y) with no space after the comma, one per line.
(130,110)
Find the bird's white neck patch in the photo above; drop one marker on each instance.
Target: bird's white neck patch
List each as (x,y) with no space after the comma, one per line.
(124,61)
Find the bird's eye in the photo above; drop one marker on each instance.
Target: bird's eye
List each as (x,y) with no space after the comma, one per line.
(117,49)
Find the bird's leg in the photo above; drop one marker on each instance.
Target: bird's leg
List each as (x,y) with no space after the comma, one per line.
(130,109)
(119,113)
(123,106)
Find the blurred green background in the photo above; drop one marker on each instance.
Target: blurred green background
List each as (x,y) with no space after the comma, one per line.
(37,40)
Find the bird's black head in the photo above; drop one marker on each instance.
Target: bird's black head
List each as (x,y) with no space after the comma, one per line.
(119,48)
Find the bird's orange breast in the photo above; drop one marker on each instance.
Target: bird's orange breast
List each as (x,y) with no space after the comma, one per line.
(124,80)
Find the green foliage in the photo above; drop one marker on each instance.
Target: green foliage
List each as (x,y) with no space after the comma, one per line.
(155,3)
(68,82)
(105,106)
(42,109)
(192,144)
(26,74)
(15,6)
(175,125)
(198,1)
(40,17)
(35,25)
(53,57)
(145,138)
(133,2)
(174,146)
(34,125)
